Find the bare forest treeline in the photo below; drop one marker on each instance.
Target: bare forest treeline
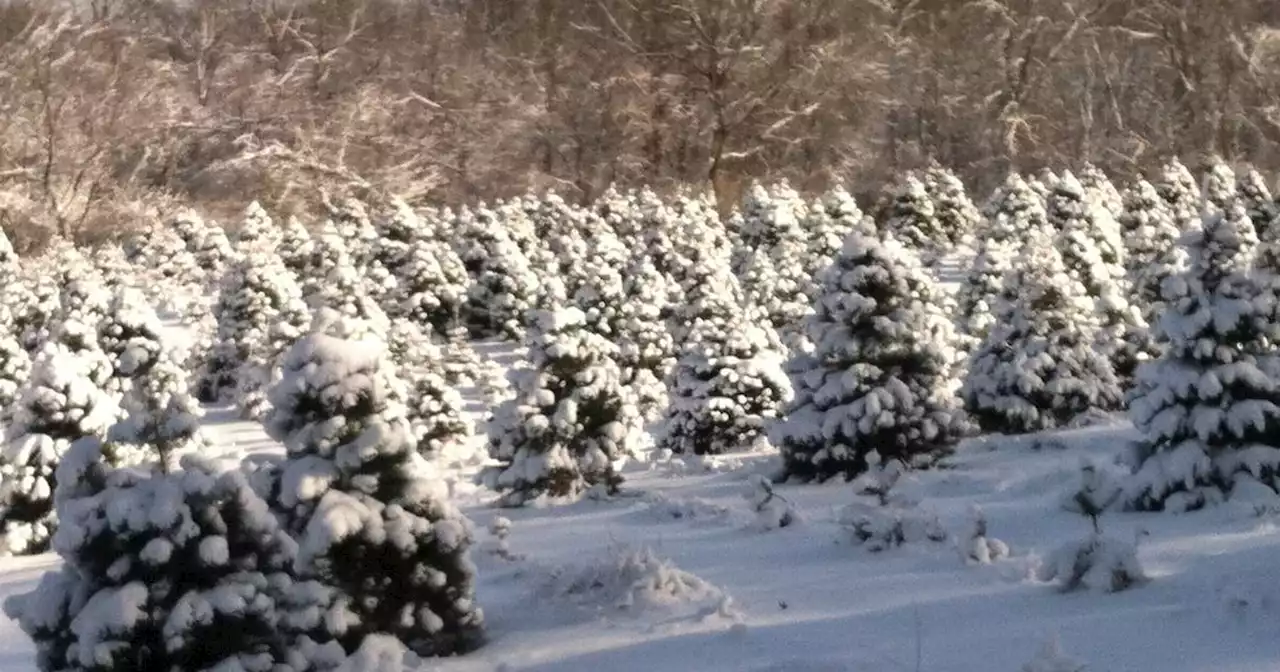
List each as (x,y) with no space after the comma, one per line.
(111,105)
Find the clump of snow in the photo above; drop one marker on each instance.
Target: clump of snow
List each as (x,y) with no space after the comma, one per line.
(978,547)
(639,581)
(1050,658)
(1099,563)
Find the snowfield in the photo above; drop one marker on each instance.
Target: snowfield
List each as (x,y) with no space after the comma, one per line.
(677,574)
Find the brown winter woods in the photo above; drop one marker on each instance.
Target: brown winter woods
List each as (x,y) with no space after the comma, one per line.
(220,101)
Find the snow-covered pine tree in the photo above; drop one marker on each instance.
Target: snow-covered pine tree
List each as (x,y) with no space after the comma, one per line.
(257,233)
(8,258)
(1151,234)
(259,313)
(130,336)
(725,389)
(1218,186)
(183,571)
(371,521)
(33,308)
(913,220)
(1014,213)
(295,246)
(1255,196)
(328,251)
(82,297)
(350,219)
(572,417)
(1177,186)
(1089,238)
(1210,405)
(881,378)
(957,216)
(1099,189)
(162,418)
(432,286)
(646,350)
(57,405)
(15,368)
(978,299)
(504,290)
(1039,368)
(435,410)
(82,341)
(828,223)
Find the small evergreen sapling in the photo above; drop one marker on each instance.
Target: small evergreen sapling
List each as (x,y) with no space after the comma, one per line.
(369,516)
(571,418)
(1039,368)
(1099,563)
(880,379)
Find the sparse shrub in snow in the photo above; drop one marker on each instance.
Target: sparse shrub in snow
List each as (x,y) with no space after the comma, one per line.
(980,549)
(891,521)
(727,386)
(1050,658)
(880,379)
(58,405)
(500,529)
(1098,563)
(772,510)
(369,516)
(1039,367)
(15,367)
(187,571)
(639,582)
(1151,234)
(571,419)
(1210,405)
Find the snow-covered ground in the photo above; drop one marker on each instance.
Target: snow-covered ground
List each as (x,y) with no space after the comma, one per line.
(676,575)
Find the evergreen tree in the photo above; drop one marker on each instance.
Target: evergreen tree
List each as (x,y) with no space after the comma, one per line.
(978,300)
(505,288)
(130,336)
(353,490)
(1100,191)
(1039,368)
(1255,196)
(1089,240)
(257,233)
(1014,213)
(957,216)
(432,286)
(913,220)
(1177,186)
(571,419)
(726,387)
(828,224)
(15,367)
(162,418)
(259,312)
(58,405)
(881,377)
(187,571)
(1218,186)
(1210,405)
(1153,255)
